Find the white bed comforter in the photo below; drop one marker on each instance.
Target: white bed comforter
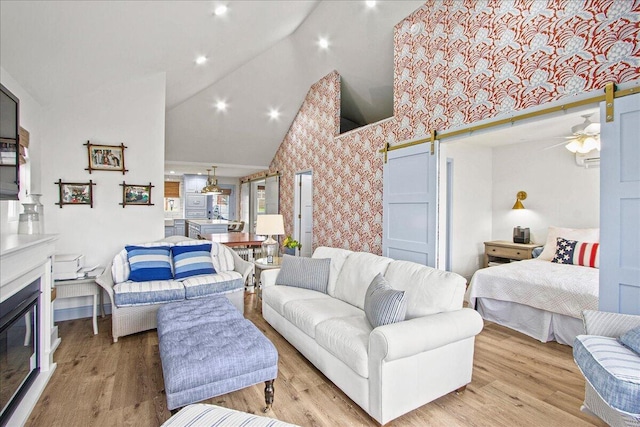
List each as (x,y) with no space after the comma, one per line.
(558,288)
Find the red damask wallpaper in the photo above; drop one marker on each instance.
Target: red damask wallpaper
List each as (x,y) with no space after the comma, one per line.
(456,62)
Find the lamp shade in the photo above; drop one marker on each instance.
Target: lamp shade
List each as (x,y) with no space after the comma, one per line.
(270,225)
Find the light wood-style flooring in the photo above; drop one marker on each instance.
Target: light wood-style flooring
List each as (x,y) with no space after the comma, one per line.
(517,381)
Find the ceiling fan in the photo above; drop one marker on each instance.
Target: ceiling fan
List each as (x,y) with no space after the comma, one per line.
(585,137)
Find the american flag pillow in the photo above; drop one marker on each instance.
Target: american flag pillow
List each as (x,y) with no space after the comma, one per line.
(577,253)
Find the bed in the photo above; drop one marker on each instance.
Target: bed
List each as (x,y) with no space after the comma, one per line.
(537,297)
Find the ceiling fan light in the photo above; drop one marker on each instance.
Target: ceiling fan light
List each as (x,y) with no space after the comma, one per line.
(589,144)
(592,129)
(573,146)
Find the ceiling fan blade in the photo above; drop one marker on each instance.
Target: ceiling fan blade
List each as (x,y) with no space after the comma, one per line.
(555,145)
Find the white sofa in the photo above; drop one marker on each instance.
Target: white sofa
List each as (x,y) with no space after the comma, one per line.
(392,369)
(134,304)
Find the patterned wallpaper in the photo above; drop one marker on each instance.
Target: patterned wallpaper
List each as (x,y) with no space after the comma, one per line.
(456,62)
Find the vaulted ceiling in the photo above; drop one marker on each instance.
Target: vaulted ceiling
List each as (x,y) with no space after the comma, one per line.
(260,56)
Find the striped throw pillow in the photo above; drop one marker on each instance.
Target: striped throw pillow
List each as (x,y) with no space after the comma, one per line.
(384,305)
(577,253)
(149,263)
(632,339)
(193,260)
(303,272)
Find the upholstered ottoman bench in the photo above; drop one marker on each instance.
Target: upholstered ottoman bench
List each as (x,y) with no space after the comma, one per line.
(202,415)
(208,348)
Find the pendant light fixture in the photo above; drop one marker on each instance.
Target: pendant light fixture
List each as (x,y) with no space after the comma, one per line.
(211,186)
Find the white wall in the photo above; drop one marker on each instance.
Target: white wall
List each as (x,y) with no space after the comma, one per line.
(559,193)
(30,119)
(132,113)
(472,205)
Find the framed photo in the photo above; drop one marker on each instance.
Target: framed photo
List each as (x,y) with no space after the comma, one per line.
(136,194)
(75,193)
(106,157)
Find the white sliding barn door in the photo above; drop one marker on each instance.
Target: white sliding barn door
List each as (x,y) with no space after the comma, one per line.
(272,194)
(410,205)
(620,208)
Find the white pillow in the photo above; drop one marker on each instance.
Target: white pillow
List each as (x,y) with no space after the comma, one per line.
(591,235)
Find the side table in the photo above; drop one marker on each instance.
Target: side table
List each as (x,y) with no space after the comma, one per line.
(503,251)
(82,287)
(259,265)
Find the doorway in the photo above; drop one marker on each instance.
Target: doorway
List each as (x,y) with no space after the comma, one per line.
(303,212)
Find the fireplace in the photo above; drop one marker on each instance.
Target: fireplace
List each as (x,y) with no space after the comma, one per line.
(19,337)
(28,337)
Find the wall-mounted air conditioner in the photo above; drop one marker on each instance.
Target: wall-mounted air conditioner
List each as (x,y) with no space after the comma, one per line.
(588,160)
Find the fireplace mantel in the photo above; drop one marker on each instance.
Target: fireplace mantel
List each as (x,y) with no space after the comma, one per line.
(24,259)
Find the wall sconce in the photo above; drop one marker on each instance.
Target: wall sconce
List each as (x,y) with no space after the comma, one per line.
(520,196)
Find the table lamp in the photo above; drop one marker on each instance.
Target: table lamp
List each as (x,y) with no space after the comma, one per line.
(270,225)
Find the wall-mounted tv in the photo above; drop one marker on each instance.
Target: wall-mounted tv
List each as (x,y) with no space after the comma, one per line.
(9,147)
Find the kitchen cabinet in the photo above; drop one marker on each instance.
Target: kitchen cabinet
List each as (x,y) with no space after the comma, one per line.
(194,183)
(200,227)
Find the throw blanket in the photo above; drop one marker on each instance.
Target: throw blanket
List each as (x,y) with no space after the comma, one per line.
(559,288)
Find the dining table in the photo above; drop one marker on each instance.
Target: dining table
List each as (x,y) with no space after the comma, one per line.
(235,240)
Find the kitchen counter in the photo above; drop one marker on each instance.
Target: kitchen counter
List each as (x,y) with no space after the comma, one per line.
(199,227)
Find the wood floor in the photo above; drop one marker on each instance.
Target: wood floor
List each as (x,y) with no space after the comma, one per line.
(517,381)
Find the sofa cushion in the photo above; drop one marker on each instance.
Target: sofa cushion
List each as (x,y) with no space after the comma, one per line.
(302,272)
(612,369)
(120,266)
(338,256)
(427,290)
(192,260)
(144,293)
(149,263)
(356,275)
(347,338)
(631,339)
(221,255)
(308,313)
(384,305)
(209,284)
(277,296)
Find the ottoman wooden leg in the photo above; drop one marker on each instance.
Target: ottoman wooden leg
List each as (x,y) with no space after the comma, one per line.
(268,395)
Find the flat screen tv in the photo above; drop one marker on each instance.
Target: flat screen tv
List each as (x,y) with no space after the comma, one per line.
(9,148)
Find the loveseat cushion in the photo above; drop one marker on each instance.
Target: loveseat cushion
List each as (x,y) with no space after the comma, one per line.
(302,272)
(308,313)
(209,284)
(144,293)
(277,296)
(612,369)
(384,305)
(338,257)
(427,290)
(347,338)
(149,263)
(192,260)
(356,275)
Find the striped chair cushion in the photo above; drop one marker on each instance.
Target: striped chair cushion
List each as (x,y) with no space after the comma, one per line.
(302,272)
(577,253)
(192,260)
(144,293)
(221,255)
(383,304)
(120,267)
(203,415)
(149,263)
(210,284)
(612,369)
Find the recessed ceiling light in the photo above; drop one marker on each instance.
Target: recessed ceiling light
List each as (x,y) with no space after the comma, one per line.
(323,43)
(221,105)
(172,172)
(220,10)
(274,114)
(201,60)
(371,3)
(199,173)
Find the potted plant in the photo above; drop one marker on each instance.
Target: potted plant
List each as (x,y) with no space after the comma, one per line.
(290,245)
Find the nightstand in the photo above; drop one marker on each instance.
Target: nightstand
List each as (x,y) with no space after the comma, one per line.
(502,251)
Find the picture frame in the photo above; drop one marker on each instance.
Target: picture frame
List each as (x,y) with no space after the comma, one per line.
(75,193)
(106,157)
(136,194)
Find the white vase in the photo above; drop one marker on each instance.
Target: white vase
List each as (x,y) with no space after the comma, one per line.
(29,220)
(39,208)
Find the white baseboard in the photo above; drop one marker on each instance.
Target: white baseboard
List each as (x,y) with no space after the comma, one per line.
(72,313)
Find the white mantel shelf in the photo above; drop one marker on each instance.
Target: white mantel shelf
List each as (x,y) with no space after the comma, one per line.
(24,259)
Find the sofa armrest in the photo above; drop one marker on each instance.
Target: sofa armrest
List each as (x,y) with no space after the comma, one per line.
(105,281)
(241,266)
(268,277)
(404,339)
(608,324)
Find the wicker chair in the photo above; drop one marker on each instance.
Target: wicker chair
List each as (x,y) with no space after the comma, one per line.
(612,386)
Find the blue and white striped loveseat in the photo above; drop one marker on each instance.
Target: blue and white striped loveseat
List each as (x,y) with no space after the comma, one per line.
(134,304)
